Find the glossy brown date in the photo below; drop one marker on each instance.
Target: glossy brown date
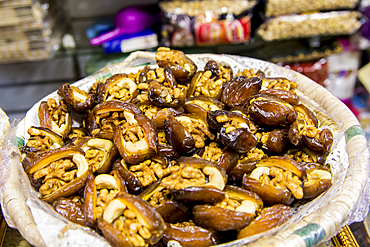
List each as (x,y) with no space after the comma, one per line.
(238,171)
(284,163)
(190,235)
(172,211)
(178,136)
(79,100)
(133,184)
(272,111)
(180,64)
(104,118)
(42,139)
(322,142)
(239,90)
(240,140)
(103,164)
(71,209)
(135,151)
(165,96)
(92,192)
(276,141)
(198,194)
(269,194)
(270,217)
(318,180)
(117,87)
(288,96)
(55,117)
(200,105)
(140,211)
(220,219)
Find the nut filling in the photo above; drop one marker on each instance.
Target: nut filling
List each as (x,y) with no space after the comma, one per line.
(301,157)
(132,132)
(130,226)
(94,157)
(108,121)
(160,196)
(57,112)
(207,86)
(198,130)
(56,175)
(254,154)
(228,203)
(212,152)
(182,177)
(105,196)
(40,140)
(122,90)
(148,171)
(278,177)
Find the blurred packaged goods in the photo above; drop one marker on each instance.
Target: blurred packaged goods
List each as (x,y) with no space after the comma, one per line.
(206,22)
(285,7)
(343,68)
(315,70)
(30,30)
(310,24)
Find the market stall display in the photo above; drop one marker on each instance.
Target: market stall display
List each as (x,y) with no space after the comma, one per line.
(312,221)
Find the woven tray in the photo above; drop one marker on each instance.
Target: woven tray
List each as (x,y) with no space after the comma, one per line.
(345,202)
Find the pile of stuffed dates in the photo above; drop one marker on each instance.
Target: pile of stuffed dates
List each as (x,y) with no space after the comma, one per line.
(174,152)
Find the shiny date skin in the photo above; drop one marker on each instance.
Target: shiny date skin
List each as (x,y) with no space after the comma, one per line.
(272,111)
(276,141)
(178,136)
(190,235)
(270,217)
(288,96)
(239,90)
(269,194)
(75,99)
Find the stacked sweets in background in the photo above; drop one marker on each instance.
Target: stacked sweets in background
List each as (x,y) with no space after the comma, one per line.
(287,19)
(30,30)
(315,23)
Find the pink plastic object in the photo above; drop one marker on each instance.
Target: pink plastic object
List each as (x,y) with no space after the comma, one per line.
(128,20)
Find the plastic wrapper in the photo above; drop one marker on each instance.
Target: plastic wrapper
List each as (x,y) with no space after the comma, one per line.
(345,202)
(285,7)
(318,71)
(206,22)
(308,25)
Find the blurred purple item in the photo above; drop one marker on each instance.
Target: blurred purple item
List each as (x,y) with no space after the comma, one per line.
(128,20)
(365,30)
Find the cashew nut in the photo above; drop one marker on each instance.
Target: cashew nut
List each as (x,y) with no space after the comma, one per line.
(259,171)
(81,164)
(139,146)
(319,174)
(60,130)
(247,206)
(215,177)
(101,144)
(79,96)
(106,181)
(114,209)
(128,83)
(130,117)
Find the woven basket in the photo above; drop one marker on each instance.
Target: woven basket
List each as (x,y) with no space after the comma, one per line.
(345,202)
